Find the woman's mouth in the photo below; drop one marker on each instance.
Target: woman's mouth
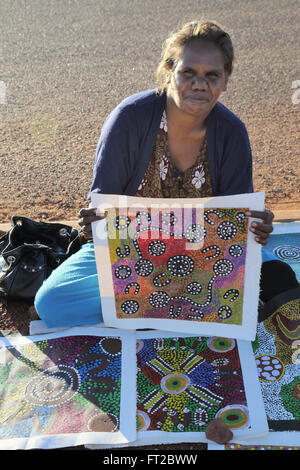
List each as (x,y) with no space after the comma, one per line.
(197,99)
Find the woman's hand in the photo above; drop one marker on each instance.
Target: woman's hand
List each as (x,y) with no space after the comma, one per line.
(262,229)
(86,218)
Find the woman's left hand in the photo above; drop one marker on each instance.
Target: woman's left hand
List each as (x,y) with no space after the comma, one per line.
(262,229)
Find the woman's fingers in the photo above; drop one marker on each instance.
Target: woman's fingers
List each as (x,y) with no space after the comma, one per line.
(86,217)
(267,216)
(260,236)
(87,220)
(257,227)
(263,229)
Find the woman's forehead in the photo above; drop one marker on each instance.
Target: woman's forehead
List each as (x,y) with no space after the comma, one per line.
(202,53)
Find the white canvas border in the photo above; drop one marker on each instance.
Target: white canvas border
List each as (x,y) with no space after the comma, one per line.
(247,331)
(284,438)
(282,228)
(127,430)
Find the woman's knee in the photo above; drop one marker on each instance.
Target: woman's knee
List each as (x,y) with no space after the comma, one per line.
(46,300)
(68,285)
(69,300)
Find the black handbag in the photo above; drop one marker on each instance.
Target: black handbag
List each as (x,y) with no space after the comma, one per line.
(30,251)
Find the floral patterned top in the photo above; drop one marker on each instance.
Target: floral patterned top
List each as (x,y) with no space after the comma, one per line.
(163,180)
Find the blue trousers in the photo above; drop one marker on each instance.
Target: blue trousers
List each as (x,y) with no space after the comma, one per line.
(70,296)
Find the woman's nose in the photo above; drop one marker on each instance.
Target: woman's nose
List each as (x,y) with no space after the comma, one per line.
(199,82)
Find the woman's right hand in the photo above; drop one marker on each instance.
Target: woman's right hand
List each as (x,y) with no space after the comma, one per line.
(86,218)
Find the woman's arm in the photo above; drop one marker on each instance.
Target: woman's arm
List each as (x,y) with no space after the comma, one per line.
(236,178)
(235,175)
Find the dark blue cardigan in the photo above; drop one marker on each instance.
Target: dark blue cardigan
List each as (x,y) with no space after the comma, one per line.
(129,133)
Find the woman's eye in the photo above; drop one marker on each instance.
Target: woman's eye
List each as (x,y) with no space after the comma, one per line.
(188,73)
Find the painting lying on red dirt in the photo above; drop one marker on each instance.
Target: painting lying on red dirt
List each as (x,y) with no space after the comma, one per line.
(65,389)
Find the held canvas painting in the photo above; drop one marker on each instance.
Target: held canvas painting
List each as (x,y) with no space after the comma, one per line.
(190,265)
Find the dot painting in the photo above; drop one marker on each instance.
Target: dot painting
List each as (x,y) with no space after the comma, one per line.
(286,247)
(277,353)
(184,383)
(66,385)
(172,265)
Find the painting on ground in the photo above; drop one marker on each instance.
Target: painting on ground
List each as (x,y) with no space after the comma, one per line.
(179,265)
(277,355)
(68,388)
(284,245)
(185,382)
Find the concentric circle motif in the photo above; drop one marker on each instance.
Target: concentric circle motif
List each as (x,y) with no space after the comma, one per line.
(159,299)
(156,248)
(103,422)
(220,345)
(143,267)
(235,250)
(130,307)
(123,272)
(234,416)
(194,288)
(288,253)
(180,265)
(226,230)
(175,383)
(195,233)
(53,386)
(143,421)
(122,222)
(223,267)
(269,368)
(224,312)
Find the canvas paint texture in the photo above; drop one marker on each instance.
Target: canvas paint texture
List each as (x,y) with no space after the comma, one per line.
(67,388)
(190,266)
(184,382)
(277,355)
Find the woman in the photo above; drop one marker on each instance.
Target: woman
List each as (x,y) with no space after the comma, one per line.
(177,141)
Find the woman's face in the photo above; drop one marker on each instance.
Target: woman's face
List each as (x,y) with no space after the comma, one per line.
(198,79)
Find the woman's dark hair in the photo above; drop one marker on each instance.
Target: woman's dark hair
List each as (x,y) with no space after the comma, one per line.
(173,47)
